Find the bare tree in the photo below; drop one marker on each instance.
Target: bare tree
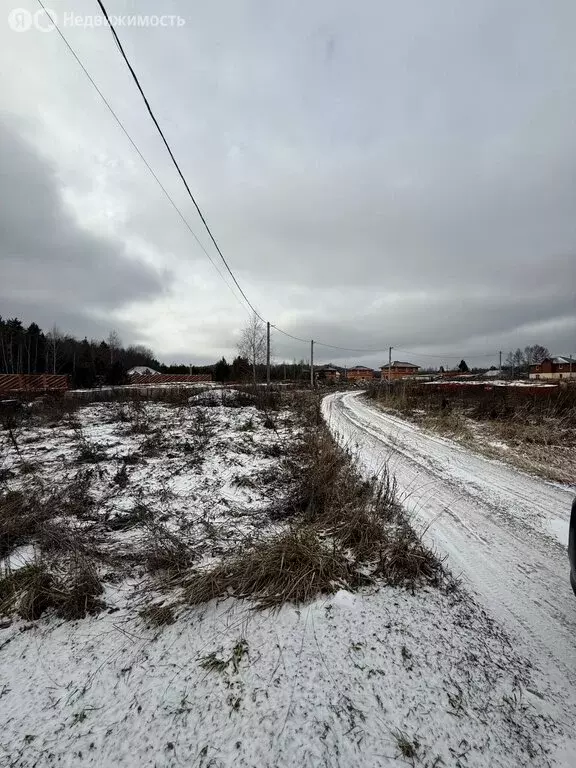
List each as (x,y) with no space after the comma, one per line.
(114,342)
(252,343)
(535,354)
(521,360)
(54,337)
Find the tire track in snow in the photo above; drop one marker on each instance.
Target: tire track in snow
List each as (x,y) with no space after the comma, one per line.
(501,529)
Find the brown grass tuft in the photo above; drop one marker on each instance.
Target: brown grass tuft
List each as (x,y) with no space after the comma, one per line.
(293,566)
(34,589)
(81,597)
(155,615)
(39,591)
(167,553)
(20,516)
(404,561)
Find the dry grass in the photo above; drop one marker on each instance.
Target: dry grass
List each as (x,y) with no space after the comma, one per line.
(29,517)
(535,432)
(324,476)
(123,520)
(20,517)
(34,589)
(176,395)
(62,575)
(53,411)
(155,615)
(294,566)
(166,553)
(90,453)
(74,499)
(404,561)
(448,422)
(335,530)
(344,532)
(81,595)
(407,747)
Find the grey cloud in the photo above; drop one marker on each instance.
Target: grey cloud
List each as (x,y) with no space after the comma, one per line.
(403,173)
(52,269)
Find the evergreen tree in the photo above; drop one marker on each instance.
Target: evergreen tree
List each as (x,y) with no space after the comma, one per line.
(222,370)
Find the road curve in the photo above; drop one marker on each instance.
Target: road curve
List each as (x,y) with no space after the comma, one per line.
(504,532)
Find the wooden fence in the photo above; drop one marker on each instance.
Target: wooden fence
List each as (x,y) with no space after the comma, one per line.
(17,384)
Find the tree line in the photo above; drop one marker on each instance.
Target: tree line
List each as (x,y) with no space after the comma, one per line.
(89,363)
(29,349)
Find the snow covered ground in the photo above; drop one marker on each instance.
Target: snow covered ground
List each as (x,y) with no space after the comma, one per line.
(382,677)
(204,473)
(503,531)
(371,680)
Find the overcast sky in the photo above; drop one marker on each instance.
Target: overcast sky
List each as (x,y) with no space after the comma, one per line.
(377,173)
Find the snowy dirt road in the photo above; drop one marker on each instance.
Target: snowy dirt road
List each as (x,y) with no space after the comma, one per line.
(503,532)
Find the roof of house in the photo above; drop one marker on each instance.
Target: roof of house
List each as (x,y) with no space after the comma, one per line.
(400,364)
(142,370)
(360,368)
(557,360)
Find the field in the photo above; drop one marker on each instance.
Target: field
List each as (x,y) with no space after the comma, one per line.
(532,427)
(210,582)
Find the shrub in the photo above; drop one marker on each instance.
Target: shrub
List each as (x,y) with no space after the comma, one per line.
(293,566)
(90,453)
(34,589)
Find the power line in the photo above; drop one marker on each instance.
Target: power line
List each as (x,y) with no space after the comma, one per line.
(197,207)
(350,349)
(331,346)
(136,148)
(151,113)
(180,173)
(446,355)
(171,200)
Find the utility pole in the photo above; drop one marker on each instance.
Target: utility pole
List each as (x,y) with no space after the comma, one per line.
(312,363)
(570,358)
(268,354)
(500,364)
(389,368)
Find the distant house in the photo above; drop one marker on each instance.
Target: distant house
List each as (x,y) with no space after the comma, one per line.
(142,370)
(399,370)
(554,368)
(360,373)
(327,373)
